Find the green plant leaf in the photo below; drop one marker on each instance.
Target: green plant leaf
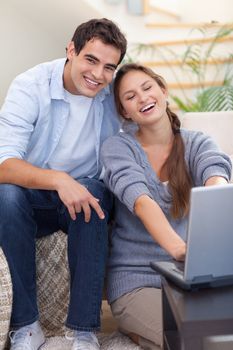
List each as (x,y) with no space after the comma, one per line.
(189,106)
(217,98)
(194,68)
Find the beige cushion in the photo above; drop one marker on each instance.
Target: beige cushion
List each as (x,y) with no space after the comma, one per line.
(52,282)
(218,125)
(5,300)
(52,286)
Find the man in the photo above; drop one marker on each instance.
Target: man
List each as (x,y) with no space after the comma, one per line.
(54,119)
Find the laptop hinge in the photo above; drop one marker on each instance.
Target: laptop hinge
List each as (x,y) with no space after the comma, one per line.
(201,279)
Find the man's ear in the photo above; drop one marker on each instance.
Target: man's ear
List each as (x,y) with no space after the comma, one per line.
(70,50)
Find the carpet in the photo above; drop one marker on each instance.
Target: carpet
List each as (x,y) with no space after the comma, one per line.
(113,341)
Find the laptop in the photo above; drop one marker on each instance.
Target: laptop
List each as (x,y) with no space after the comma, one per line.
(209,256)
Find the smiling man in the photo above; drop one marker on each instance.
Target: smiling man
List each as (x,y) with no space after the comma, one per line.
(52,124)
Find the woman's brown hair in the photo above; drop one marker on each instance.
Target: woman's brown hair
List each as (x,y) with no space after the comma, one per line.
(179,179)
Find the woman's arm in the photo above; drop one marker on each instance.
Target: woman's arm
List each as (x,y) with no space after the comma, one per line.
(126,179)
(158,226)
(206,161)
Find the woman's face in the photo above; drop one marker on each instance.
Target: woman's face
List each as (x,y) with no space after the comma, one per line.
(142,99)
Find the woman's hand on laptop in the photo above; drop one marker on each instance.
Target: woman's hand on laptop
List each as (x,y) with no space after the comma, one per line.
(179,252)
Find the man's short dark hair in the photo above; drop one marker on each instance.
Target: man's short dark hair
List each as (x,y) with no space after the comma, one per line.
(105,30)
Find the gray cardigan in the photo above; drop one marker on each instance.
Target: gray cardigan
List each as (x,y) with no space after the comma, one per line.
(128,174)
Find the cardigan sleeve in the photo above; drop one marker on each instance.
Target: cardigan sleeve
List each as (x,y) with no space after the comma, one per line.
(207,160)
(123,175)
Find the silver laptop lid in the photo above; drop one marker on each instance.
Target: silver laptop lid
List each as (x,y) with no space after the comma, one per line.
(210,233)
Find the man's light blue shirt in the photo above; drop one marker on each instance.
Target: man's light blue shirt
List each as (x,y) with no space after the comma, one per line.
(35,113)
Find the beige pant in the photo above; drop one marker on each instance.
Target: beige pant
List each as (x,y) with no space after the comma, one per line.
(140,312)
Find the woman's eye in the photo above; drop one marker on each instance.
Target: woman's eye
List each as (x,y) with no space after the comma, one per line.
(147,87)
(130,97)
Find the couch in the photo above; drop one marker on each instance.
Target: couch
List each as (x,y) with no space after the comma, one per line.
(219,125)
(52,267)
(52,287)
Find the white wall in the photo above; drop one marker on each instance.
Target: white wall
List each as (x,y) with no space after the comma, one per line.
(199,10)
(194,11)
(34,31)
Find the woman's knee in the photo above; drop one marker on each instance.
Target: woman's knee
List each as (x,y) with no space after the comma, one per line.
(139,312)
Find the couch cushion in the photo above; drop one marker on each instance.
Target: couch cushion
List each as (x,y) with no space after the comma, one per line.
(52,282)
(218,125)
(5,300)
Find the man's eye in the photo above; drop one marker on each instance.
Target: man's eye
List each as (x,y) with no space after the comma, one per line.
(110,69)
(90,60)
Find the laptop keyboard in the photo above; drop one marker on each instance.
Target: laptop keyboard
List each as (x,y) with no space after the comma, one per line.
(179,267)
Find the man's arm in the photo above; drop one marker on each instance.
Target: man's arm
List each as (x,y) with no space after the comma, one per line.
(158,226)
(74,196)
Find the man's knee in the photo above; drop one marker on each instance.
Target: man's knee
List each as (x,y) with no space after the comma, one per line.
(98,189)
(12,198)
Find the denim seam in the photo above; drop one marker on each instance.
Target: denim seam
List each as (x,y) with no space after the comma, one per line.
(26,323)
(86,329)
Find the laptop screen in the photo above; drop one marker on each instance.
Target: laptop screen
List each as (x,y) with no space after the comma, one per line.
(210,233)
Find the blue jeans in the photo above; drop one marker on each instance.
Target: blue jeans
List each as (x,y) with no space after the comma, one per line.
(28,214)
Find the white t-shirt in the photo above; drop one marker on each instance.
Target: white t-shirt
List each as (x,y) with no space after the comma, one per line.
(75,153)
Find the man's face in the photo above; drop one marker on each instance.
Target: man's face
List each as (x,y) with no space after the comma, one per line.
(92,69)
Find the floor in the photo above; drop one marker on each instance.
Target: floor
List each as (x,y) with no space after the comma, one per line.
(108,323)
(109,338)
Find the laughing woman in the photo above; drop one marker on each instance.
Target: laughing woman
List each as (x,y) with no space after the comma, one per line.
(150,169)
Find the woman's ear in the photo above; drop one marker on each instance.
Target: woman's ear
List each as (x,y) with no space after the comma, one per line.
(165,92)
(124,114)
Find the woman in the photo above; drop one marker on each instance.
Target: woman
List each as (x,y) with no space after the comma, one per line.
(150,169)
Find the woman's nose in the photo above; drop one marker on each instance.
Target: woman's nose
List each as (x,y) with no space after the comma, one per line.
(142,96)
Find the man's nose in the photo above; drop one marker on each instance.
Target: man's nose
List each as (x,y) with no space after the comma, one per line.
(98,72)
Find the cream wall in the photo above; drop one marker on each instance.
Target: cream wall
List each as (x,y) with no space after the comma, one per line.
(199,10)
(189,11)
(33,31)
(22,44)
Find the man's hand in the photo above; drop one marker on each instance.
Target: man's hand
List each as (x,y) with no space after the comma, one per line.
(76,197)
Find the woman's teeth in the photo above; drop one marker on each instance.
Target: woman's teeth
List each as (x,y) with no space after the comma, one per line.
(147,107)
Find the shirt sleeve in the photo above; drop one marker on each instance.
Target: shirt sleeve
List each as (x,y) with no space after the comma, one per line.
(207,160)
(17,118)
(124,176)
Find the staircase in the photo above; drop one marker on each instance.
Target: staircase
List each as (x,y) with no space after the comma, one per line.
(189,55)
